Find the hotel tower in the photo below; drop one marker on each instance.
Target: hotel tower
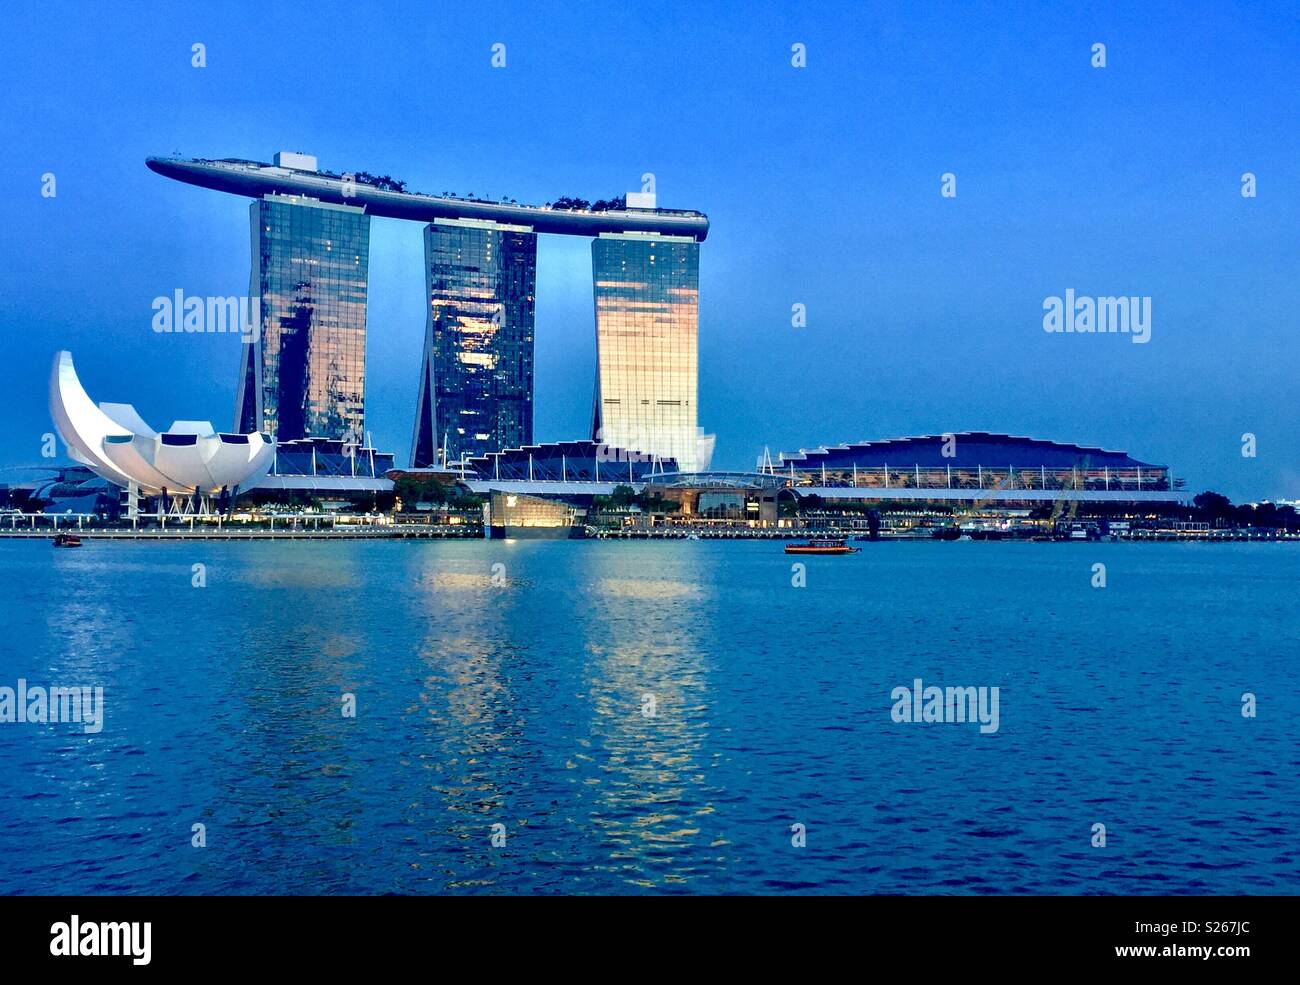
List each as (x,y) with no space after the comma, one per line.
(647,290)
(476,378)
(304,375)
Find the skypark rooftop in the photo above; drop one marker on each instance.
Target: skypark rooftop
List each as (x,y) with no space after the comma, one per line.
(382,197)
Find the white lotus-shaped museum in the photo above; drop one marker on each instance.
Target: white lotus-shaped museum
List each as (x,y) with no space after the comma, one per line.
(114,442)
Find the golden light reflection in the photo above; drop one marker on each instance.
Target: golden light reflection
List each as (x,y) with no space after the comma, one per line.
(464,713)
(646,777)
(648,770)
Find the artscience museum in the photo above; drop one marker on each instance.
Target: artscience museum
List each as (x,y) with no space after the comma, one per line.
(187,464)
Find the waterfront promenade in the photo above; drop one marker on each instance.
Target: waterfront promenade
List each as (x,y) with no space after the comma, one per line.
(403,532)
(302,527)
(442,531)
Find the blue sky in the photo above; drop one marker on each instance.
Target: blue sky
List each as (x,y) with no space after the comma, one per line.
(822,185)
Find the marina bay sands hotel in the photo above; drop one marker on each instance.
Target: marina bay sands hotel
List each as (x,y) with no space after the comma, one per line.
(304,374)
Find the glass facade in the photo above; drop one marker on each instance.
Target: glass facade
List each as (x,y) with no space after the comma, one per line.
(329,457)
(305,374)
(476,383)
(516,510)
(646,292)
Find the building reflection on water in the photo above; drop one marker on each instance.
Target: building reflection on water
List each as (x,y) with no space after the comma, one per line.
(465,710)
(644,758)
(520,703)
(553,741)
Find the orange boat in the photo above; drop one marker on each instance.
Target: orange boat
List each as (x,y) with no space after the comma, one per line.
(822,545)
(67,540)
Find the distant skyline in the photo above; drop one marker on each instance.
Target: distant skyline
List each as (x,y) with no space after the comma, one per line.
(822,185)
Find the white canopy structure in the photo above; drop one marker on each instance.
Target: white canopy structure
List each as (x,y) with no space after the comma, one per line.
(114,442)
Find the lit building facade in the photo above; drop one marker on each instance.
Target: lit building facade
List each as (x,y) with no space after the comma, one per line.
(304,375)
(518,516)
(646,290)
(973,463)
(476,380)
